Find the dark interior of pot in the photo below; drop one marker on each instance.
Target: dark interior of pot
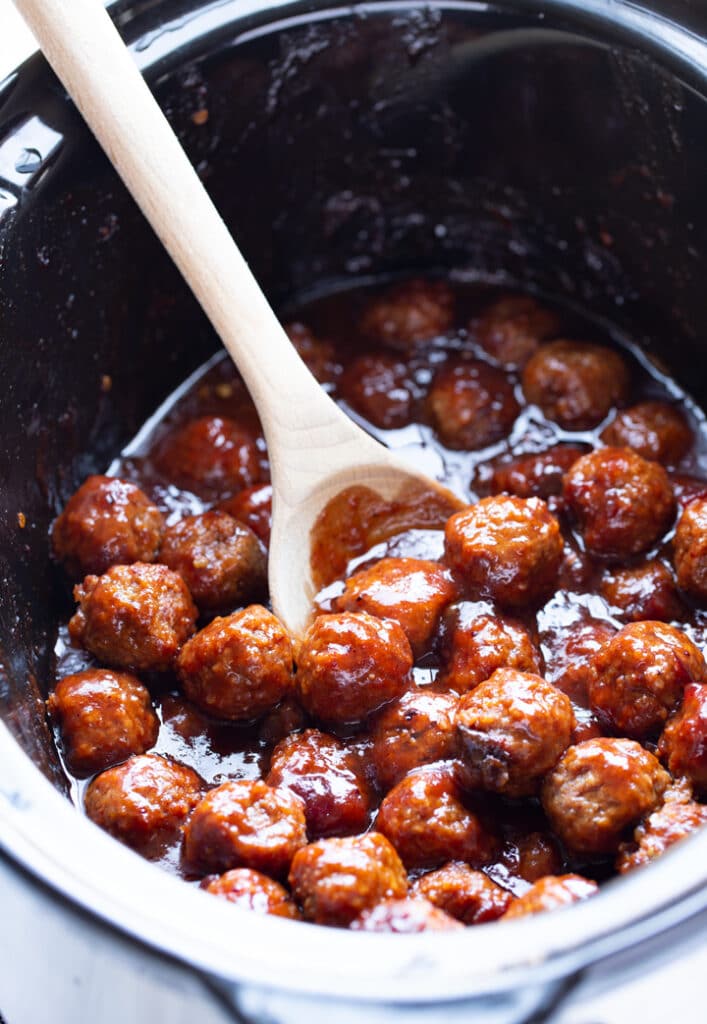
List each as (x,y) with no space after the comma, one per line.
(501,143)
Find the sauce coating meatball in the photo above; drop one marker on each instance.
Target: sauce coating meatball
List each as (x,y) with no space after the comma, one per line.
(404,917)
(683,744)
(575,383)
(335,880)
(468,895)
(221,561)
(378,387)
(238,667)
(679,817)
(551,893)
(318,355)
(640,677)
(134,616)
(691,549)
(533,856)
(511,329)
(570,653)
(411,591)
(410,313)
(474,643)
(471,405)
(253,508)
(647,591)
(251,890)
(211,456)
(655,430)
(416,730)
(144,802)
(511,731)
(505,548)
(326,776)
(428,823)
(622,503)
(104,717)
(350,664)
(245,824)
(538,475)
(600,788)
(106,522)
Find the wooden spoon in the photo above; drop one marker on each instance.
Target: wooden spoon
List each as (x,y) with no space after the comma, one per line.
(315,450)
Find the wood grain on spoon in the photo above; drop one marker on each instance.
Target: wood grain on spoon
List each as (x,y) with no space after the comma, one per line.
(315,450)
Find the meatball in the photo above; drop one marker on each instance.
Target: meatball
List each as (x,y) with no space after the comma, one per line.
(683,743)
(106,522)
(468,895)
(253,508)
(622,503)
(691,549)
(144,801)
(599,789)
(511,329)
(537,475)
(474,643)
(221,561)
(569,656)
(351,664)
(551,893)
(508,549)
(575,383)
(211,456)
(335,880)
(245,824)
(640,677)
(104,717)
(655,430)
(287,717)
(679,816)
(471,405)
(238,667)
(416,730)
(134,616)
(533,856)
(378,387)
(326,776)
(428,823)
(250,890)
(647,591)
(319,356)
(411,591)
(409,314)
(511,731)
(404,916)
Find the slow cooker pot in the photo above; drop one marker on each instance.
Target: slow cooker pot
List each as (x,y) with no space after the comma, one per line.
(559,145)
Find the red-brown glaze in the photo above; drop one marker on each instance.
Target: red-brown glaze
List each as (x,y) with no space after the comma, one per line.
(679,817)
(404,917)
(253,508)
(551,893)
(646,591)
(511,328)
(471,405)
(575,383)
(409,314)
(212,456)
(468,895)
(251,890)
(378,387)
(528,476)
(655,430)
(691,549)
(683,743)
(569,655)
(415,730)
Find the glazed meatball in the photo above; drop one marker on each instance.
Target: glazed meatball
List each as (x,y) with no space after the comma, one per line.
(538,475)
(104,717)
(640,677)
(679,817)
(411,591)
(378,387)
(134,616)
(245,824)
(326,776)
(511,329)
(622,503)
(599,789)
(144,801)
(253,508)
(551,893)
(211,456)
(404,917)
(428,823)
(351,664)
(238,667)
(471,405)
(504,548)
(474,643)
(569,656)
(319,356)
(586,724)
(221,561)
(287,717)
(647,591)
(416,730)
(250,890)
(575,383)
(655,430)
(335,880)
(533,856)
(683,744)
(106,522)
(469,896)
(410,313)
(511,731)
(691,549)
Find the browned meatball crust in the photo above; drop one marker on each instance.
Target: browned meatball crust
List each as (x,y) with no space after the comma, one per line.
(512,327)
(640,677)
(622,503)
(691,549)
(405,917)
(538,475)
(683,744)
(646,591)
(238,667)
(511,731)
(327,777)
(679,817)
(245,824)
(106,522)
(551,893)
(378,387)
(599,789)
(134,616)
(211,456)
(335,880)
(575,383)
(251,890)
(412,591)
(104,717)
(318,355)
(471,405)
(468,895)
(253,508)
(350,664)
(570,653)
(655,430)
(505,548)
(416,730)
(409,314)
